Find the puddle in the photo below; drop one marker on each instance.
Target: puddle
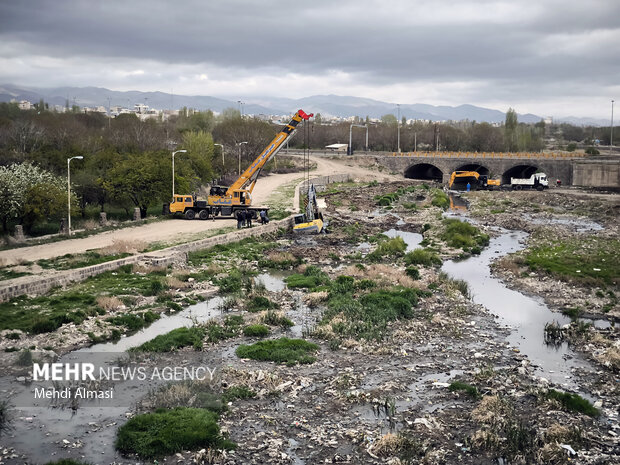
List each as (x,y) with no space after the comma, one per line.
(272,282)
(199,313)
(411,239)
(458,203)
(526,315)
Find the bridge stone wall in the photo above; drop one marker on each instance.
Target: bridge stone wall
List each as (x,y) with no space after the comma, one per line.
(554,168)
(597,173)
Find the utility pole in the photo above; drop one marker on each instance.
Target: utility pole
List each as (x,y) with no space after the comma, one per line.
(69,191)
(611,135)
(351,136)
(239,145)
(398,125)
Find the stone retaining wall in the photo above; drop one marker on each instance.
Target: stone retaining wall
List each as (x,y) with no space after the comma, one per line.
(40,284)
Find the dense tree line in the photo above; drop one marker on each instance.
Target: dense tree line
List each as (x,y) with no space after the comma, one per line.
(127,162)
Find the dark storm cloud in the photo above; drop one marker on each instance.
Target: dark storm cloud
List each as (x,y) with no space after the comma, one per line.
(521,45)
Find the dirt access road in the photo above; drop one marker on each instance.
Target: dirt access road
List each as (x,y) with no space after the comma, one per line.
(173,231)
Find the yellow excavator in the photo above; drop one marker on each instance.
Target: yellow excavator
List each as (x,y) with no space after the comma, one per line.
(312,220)
(475,179)
(226,201)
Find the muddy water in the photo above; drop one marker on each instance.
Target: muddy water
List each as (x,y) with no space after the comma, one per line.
(526,315)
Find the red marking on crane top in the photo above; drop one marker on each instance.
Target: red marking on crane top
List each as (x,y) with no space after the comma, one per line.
(304,115)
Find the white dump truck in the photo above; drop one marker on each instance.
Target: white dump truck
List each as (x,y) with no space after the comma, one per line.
(537,181)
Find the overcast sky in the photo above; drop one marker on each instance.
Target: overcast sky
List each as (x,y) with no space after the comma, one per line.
(548,57)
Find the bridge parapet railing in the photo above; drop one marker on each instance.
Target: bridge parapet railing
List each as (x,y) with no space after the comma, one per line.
(478,155)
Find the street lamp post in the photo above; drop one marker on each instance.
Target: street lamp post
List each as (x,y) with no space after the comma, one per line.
(611,136)
(239,145)
(351,136)
(69,191)
(173,154)
(398,124)
(222,153)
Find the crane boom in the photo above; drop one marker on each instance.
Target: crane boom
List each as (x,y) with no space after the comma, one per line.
(251,173)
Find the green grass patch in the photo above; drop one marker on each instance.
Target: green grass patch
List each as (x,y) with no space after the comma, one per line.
(274,319)
(256,330)
(250,249)
(311,278)
(385,200)
(260,303)
(47,313)
(390,248)
(369,315)
(462,235)
(424,257)
(166,432)
(283,350)
(440,199)
(10,274)
(175,339)
(472,391)
(237,392)
(589,260)
(573,402)
(134,321)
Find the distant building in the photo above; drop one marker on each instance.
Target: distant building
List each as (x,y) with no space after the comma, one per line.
(24,105)
(337,147)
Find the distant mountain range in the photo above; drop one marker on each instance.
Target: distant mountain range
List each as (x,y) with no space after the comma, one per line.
(327,105)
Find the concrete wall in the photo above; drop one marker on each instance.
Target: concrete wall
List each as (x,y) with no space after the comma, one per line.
(597,173)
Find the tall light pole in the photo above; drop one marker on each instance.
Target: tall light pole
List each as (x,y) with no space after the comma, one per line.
(398,124)
(69,191)
(222,154)
(611,136)
(351,136)
(239,145)
(173,154)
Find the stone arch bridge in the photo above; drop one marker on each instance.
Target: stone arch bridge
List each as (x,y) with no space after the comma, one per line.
(438,166)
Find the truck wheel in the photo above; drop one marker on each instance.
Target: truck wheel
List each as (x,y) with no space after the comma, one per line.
(190,214)
(203,215)
(539,188)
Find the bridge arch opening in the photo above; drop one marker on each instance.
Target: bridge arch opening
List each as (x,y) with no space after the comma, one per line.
(519,171)
(424,171)
(474,167)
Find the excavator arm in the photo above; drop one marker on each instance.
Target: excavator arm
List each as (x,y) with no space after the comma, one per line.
(248,178)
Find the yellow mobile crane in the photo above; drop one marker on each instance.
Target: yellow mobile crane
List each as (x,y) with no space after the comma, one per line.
(226,201)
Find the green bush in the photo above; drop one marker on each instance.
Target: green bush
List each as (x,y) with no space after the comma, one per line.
(424,257)
(573,402)
(311,278)
(166,432)
(468,388)
(368,316)
(134,321)
(175,339)
(592,151)
(391,248)
(283,350)
(260,303)
(462,235)
(412,272)
(230,284)
(440,199)
(256,331)
(273,319)
(237,392)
